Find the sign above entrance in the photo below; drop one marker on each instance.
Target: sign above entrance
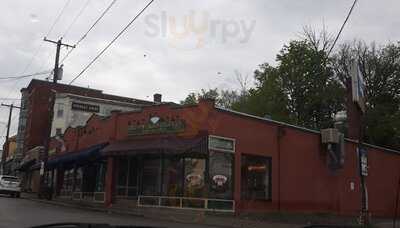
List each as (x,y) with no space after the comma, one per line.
(221,143)
(157,126)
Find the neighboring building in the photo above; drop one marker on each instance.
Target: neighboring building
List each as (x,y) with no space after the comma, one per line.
(30,177)
(41,109)
(9,148)
(206,158)
(72,110)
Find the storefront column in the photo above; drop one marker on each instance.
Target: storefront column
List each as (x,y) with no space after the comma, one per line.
(109,181)
(237,182)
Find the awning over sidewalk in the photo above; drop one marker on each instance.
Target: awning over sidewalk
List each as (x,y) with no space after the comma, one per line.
(169,145)
(79,157)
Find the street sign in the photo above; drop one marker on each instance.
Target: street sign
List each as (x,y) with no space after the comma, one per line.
(363,161)
(358,85)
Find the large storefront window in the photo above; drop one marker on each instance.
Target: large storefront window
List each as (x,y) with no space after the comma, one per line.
(172,176)
(68,182)
(220,175)
(151,177)
(194,177)
(127,179)
(78,179)
(256,178)
(100,177)
(89,178)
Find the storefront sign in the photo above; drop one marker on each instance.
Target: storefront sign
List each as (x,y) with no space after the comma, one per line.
(363,159)
(221,143)
(157,126)
(85,107)
(220,180)
(194,180)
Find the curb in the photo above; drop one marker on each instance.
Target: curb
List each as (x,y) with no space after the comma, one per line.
(121,212)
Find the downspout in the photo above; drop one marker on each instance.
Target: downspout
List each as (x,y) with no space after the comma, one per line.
(279,135)
(396,208)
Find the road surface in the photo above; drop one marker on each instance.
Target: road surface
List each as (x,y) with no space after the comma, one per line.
(20,213)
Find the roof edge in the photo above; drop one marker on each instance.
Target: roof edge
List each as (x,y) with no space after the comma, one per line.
(303,129)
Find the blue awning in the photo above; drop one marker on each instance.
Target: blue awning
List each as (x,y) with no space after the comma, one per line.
(77,158)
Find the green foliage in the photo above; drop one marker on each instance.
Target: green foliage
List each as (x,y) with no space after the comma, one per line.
(307,88)
(223,98)
(301,89)
(381,69)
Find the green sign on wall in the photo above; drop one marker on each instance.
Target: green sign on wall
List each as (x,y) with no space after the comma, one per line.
(160,127)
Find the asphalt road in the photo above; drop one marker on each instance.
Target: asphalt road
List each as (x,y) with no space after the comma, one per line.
(20,213)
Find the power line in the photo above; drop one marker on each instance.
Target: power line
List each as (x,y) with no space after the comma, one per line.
(58,17)
(25,76)
(115,38)
(341,29)
(90,29)
(41,44)
(76,18)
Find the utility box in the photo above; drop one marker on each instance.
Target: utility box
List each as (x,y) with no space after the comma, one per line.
(330,135)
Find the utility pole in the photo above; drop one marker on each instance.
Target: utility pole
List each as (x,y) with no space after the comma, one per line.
(56,64)
(3,157)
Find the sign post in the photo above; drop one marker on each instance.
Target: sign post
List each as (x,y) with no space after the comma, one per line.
(358,94)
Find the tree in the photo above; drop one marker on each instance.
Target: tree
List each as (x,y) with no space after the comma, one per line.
(302,89)
(381,69)
(223,98)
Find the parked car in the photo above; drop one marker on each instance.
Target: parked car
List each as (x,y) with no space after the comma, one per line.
(10,185)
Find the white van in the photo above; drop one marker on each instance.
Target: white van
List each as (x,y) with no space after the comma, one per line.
(10,185)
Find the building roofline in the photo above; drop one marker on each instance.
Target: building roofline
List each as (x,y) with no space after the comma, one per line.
(65,88)
(303,129)
(95,99)
(269,120)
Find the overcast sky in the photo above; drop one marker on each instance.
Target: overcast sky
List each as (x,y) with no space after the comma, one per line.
(161,53)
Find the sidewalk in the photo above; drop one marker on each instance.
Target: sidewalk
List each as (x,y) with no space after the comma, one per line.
(277,220)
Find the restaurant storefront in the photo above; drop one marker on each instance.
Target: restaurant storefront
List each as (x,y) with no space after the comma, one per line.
(192,173)
(205,158)
(79,175)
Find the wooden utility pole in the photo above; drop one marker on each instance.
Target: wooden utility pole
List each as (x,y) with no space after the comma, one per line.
(3,157)
(56,64)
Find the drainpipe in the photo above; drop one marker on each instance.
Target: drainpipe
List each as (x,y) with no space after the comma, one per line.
(396,208)
(280,133)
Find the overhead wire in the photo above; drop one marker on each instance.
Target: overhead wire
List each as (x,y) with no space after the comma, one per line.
(36,53)
(76,18)
(343,25)
(58,17)
(112,41)
(41,45)
(90,29)
(25,76)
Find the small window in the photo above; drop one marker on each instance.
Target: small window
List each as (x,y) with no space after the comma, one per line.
(58,131)
(60,111)
(256,178)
